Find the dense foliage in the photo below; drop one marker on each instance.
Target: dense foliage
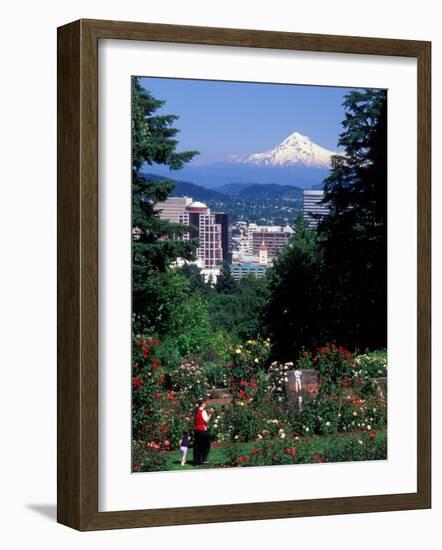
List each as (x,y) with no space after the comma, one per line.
(154,245)
(354,235)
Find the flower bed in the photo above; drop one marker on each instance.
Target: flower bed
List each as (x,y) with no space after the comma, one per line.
(258,405)
(308,450)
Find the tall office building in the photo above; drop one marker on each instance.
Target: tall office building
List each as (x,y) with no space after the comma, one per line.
(210,252)
(172,208)
(313,210)
(226,235)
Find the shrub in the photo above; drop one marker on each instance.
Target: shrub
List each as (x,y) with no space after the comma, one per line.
(368,446)
(190,381)
(147,387)
(246,361)
(373,364)
(304,361)
(335,370)
(304,423)
(327,419)
(360,414)
(241,423)
(216,373)
(278,379)
(146,458)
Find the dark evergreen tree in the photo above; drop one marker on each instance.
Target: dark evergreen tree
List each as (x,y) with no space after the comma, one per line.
(294,314)
(154,244)
(354,235)
(225,283)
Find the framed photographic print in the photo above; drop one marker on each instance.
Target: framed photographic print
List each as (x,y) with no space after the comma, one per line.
(244,275)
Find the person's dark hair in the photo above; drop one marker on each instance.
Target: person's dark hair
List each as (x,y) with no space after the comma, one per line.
(201,401)
(185,433)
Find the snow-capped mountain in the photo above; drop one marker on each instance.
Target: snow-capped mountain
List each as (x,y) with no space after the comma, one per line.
(296,150)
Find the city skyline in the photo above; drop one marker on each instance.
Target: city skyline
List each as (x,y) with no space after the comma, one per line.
(250,252)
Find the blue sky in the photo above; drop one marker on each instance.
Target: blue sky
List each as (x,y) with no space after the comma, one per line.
(224,118)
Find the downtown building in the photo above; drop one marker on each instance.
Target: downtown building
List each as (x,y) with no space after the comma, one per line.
(313,209)
(244,269)
(172,208)
(274,237)
(211,229)
(256,268)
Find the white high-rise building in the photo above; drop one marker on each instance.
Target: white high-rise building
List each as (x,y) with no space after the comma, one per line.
(212,230)
(172,208)
(313,210)
(210,252)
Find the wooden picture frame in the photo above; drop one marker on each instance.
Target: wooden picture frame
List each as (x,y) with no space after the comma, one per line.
(78,274)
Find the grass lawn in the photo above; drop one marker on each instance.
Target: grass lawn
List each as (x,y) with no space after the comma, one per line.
(218,457)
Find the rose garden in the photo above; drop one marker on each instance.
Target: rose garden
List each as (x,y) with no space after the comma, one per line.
(339,414)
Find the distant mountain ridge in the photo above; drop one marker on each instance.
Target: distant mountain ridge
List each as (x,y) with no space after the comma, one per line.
(265,204)
(189,189)
(245,191)
(216,176)
(264,191)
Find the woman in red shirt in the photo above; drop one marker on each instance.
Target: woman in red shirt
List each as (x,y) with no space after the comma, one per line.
(201,441)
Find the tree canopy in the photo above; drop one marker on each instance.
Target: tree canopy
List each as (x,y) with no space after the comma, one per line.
(154,245)
(354,235)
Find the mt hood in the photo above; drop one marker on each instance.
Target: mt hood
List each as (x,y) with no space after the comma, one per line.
(296,150)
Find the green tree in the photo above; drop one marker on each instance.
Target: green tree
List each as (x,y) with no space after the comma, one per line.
(240,313)
(225,283)
(252,299)
(354,235)
(155,245)
(189,331)
(294,312)
(196,281)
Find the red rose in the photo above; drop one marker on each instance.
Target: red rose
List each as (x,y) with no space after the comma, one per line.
(372,434)
(255,451)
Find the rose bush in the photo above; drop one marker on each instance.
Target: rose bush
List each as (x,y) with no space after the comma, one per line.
(278,380)
(335,366)
(190,382)
(373,364)
(246,361)
(147,458)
